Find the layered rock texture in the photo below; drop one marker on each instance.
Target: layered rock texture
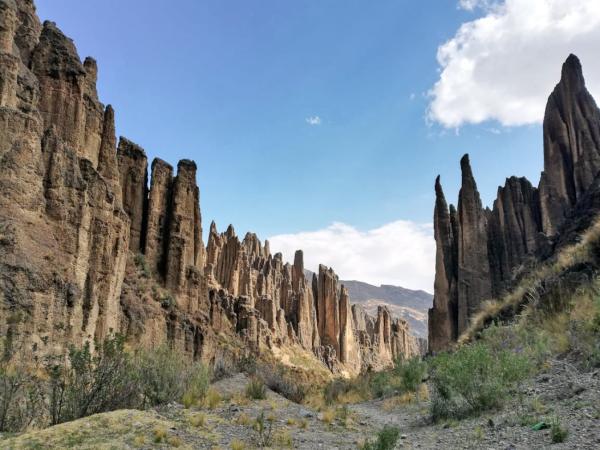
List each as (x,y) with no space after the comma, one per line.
(481,252)
(91,244)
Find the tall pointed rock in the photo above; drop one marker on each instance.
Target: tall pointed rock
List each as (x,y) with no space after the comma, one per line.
(474,283)
(443,315)
(571,145)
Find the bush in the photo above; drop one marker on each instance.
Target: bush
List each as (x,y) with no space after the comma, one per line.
(21,398)
(92,384)
(411,374)
(381,384)
(335,388)
(474,379)
(277,379)
(87,383)
(386,439)
(256,389)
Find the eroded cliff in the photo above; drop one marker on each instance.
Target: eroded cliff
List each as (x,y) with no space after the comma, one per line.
(88,247)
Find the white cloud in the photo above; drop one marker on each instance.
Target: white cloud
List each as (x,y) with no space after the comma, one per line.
(503,66)
(400,253)
(470,5)
(313,120)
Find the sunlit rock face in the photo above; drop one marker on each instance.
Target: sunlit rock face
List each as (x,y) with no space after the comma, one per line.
(480,251)
(92,241)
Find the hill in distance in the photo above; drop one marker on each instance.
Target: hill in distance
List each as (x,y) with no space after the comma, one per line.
(405,303)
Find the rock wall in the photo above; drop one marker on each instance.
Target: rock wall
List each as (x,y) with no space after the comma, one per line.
(88,248)
(480,252)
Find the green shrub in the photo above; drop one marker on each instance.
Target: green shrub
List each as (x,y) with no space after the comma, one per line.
(411,373)
(168,301)
(474,379)
(558,433)
(140,262)
(386,439)
(256,389)
(584,335)
(381,385)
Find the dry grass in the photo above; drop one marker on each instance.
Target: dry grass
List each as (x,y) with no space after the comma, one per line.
(236,444)
(212,399)
(283,439)
(328,416)
(527,289)
(160,434)
(243,419)
(197,420)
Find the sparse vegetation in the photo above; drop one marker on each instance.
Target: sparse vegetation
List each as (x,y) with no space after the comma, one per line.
(263,430)
(90,382)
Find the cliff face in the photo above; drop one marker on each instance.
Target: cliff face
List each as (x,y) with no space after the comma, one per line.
(480,251)
(87,248)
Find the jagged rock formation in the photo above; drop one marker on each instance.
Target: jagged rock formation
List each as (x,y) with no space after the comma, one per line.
(480,251)
(86,248)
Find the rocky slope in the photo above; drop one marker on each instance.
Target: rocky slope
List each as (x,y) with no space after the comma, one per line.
(481,252)
(88,248)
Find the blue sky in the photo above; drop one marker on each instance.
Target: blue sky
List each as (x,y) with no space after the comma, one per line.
(234,85)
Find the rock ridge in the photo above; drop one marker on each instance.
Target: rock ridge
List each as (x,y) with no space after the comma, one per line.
(480,253)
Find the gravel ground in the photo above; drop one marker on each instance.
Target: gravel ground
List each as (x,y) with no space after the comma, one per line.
(562,391)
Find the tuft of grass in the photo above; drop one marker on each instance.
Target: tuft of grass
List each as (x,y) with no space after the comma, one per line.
(160,434)
(139,441)
(558,432)
(243,419)
(283,439)
(236,444)
(256,389)
(197,420)
(386,439)
(212,399)
(240,399)
(328,416)
(174,441)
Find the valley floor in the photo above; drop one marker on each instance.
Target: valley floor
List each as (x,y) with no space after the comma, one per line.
(560,392)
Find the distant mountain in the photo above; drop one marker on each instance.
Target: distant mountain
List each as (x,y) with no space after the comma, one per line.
(406,303)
